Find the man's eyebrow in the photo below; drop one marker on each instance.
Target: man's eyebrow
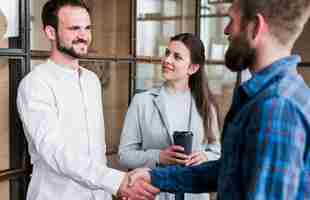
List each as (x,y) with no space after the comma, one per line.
(90,26)
(79,26)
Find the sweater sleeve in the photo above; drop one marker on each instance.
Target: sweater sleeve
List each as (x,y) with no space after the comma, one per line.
(130,151)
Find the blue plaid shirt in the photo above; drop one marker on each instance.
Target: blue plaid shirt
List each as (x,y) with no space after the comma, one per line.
(266,141)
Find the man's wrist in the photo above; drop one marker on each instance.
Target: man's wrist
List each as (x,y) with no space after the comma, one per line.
(124,184)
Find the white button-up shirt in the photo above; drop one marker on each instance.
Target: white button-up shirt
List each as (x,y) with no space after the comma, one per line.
(61,111)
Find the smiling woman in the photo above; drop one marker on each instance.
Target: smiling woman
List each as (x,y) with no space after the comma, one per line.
(151,120)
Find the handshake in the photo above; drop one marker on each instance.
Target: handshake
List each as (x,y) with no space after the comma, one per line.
(137,183)
(136,186)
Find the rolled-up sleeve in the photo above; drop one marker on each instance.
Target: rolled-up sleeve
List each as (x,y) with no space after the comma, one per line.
(195,179)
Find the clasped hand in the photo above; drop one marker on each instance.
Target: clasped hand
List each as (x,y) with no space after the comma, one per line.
(136,186)
(137,183)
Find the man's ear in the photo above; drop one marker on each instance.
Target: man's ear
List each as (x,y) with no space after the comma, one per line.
(258,28)
(193,68)
(50,32)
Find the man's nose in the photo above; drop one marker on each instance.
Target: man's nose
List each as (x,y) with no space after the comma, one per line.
(168,58)
(83,33)
(226,30)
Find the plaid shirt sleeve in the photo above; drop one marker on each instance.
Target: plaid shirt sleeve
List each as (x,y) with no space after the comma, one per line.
(274,148)
(195,179)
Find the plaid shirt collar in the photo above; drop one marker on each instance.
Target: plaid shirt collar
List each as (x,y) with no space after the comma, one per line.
(260,80)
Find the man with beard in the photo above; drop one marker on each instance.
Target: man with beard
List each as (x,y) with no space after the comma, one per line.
(60,106)
(266,134)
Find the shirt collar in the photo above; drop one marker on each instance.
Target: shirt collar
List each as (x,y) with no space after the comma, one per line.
(66,70)
(261,79)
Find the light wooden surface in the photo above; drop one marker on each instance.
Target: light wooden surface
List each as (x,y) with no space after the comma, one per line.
(4,126)
(4,115)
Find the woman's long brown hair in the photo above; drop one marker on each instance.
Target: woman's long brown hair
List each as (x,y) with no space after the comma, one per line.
(198,83)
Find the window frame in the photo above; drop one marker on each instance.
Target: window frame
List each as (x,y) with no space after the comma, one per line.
(19,170)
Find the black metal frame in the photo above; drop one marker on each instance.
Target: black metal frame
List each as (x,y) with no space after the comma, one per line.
(20,168)
(132,71)
(216,1)
(19,64)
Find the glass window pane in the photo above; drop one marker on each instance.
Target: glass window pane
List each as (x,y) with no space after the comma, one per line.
(221,82)
(147,76)
(305,72)
(158,20)
(9,24)
(114,79)
(38,39)
(302,46)
(212,35)
(213,22)
(112,25)
(214,7)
